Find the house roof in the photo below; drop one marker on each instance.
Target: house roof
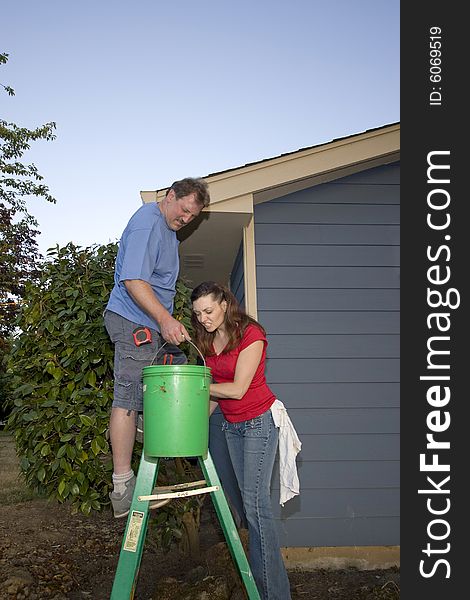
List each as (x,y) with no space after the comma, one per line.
(301,150)
(234,192)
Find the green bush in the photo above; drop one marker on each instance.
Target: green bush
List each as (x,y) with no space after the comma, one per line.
(61,373)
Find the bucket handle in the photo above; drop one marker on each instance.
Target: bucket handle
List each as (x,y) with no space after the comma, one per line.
(165,343)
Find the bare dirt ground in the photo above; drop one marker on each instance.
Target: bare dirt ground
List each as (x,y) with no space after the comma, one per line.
(48,553)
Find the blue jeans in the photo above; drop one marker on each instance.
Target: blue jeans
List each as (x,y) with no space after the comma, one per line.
(252,446)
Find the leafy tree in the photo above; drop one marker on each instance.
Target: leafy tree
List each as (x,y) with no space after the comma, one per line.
(61,367)
(19,254)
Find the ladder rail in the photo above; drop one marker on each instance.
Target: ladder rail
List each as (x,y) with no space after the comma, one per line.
(229,528)
(132,547)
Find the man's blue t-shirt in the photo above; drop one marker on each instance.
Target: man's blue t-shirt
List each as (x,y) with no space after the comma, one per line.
(148,250)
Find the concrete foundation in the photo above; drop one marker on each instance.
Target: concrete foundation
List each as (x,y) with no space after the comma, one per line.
(342,557)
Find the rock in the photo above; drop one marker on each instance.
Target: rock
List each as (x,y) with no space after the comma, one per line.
(17,580)
(196,574)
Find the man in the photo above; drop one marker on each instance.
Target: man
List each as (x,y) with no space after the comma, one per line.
(138,316)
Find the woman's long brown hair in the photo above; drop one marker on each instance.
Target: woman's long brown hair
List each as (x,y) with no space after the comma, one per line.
(236,319)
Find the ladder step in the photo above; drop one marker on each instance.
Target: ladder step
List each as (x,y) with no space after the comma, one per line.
(178,486)
(183,494)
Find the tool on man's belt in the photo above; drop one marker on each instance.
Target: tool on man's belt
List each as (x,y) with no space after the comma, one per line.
(142,335)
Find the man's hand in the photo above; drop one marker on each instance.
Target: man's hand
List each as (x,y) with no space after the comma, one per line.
(173,331)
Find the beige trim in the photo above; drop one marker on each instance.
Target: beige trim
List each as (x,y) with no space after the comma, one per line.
(342,557)
(240,204)
(249,264)
(148,196)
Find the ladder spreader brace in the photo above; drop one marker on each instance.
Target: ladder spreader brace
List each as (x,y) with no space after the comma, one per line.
(183,494)
(130,556)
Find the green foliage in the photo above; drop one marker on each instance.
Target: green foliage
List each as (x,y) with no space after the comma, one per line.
(61,370)
(5,393)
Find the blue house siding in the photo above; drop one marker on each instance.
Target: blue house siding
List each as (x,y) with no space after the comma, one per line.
(328,294)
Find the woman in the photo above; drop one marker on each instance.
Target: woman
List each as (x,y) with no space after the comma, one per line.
(234,346)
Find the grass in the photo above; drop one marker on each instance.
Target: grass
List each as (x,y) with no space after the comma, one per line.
(12,487)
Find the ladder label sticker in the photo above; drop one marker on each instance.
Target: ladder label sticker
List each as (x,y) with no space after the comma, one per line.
(133,531)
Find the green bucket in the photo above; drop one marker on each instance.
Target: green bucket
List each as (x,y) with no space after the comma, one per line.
(176,410)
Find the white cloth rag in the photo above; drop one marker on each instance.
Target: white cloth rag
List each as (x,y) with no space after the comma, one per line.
(289,447)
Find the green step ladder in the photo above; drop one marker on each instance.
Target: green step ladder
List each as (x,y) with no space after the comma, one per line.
(125,579)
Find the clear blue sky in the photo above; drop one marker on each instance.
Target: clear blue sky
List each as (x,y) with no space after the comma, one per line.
(147,92)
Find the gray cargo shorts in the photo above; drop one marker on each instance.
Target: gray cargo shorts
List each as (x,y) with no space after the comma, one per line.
(129,360)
